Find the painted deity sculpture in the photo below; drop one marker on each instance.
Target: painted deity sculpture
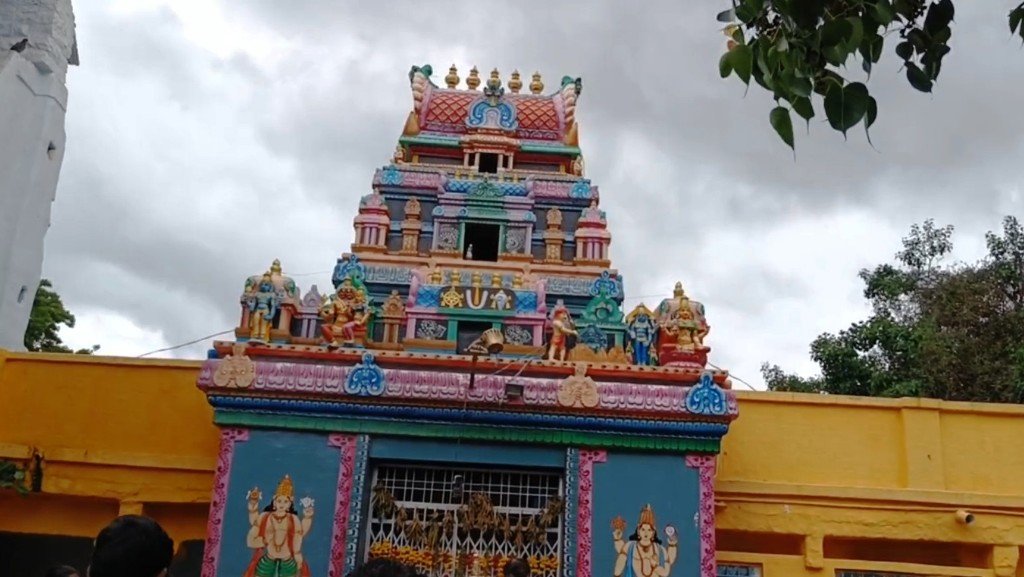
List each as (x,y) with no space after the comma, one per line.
(561,327)
(643,334)
(345,316)
(682,330)
(276,534)
(263,303)
(643,554)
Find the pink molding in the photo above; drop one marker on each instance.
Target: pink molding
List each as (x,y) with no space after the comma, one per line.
(215,524)
(705,465)
(441,386)
(347,444)
(585,512)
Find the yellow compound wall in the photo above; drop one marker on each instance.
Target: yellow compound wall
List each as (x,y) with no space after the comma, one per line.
(807,484)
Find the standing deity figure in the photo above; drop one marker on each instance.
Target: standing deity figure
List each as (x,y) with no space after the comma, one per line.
(263,303)
(643,554)
(561,327)
(643,333)
(344,315)
(276,533)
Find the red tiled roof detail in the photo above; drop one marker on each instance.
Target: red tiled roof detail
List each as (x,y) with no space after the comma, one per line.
(446,111)
(536,114)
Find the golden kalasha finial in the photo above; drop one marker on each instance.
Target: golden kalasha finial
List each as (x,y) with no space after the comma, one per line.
(494,82)
(452,80)
(536,86)
(473,82)
(514,83)
(275,267)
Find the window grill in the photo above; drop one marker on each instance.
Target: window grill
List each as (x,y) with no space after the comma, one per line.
(464,522)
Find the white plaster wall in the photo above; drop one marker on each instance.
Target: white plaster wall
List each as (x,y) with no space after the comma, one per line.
(33,102)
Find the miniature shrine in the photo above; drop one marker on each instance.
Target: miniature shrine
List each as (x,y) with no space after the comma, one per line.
(469,390)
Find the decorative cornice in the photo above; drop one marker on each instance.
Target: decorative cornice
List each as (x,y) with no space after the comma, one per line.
(470,416)
(452,387)
(466,432)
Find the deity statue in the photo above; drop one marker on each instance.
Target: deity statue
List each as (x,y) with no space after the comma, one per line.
(643,554)
(643,333)
(263,303)
(344,315)
(683,328)
(561,327)
(276,534)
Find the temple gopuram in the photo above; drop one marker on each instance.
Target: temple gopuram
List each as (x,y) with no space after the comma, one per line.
(469,390)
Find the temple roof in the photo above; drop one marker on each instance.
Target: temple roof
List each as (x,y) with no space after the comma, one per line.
(535,116)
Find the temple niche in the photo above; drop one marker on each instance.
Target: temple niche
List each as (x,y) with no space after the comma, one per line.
(470,390)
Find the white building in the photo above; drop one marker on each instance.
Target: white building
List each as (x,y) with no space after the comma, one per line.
(33,101)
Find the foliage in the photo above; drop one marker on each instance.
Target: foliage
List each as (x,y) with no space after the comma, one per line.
(798,51)
(952,331)
(44,322)
(12,477)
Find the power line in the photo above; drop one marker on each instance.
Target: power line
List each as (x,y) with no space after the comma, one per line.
(199,340)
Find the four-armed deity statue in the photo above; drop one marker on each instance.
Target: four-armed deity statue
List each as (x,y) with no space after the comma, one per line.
(276,533)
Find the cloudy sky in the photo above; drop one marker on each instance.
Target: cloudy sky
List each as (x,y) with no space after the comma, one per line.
(207,138)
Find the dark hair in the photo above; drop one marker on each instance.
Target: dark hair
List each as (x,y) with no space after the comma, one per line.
(517,568)
(636,534)
(131,546)
(61,571)
(383,567)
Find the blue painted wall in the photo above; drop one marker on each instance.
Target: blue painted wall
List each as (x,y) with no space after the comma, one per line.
(624,484)
(262,462)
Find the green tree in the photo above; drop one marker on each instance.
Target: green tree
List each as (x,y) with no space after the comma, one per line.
(44,322)
(798,50)
(948,331)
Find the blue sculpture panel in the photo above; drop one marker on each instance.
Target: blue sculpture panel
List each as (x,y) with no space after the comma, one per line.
(645,515)
(282,484)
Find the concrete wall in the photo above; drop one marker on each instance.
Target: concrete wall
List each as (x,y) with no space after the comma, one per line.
(807,484)
(32,138)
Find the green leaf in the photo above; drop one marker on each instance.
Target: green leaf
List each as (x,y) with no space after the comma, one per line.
(800,87)
(1016,18)
(883,12)
(726,16)
(919,39)
(904,8)
(724,65)
(939,15)
(905,50)
(846,106)
(917,78)
(856,33)
(783,124)
(943,35)
(835,32)
(871,113)
(741,58)
(805,109)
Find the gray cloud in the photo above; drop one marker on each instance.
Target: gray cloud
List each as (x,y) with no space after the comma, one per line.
(190,167)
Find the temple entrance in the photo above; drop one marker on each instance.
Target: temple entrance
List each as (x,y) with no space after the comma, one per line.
(481,241)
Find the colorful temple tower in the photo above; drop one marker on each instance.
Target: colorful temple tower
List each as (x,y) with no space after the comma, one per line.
(470,391)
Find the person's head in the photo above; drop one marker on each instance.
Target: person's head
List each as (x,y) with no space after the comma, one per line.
(61,571)
(517,568)
(131,546)
(382,567)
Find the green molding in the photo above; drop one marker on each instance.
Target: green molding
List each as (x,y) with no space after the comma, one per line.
(443,141)
(465,432)
(550,149)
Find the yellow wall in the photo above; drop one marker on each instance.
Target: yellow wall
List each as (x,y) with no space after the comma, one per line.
(806,485)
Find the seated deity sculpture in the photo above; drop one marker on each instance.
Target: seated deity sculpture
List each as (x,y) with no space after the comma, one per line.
(345,316)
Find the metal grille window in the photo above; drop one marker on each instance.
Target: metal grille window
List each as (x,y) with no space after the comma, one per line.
(454,522)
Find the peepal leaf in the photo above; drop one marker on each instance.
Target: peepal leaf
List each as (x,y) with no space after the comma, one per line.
(783,124)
